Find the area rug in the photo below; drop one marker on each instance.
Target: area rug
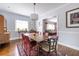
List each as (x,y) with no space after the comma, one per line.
(22,52)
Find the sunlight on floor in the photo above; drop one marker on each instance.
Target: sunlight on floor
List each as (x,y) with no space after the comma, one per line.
(16,51)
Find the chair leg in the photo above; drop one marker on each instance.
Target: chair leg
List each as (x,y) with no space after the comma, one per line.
(48,54)
(56,53)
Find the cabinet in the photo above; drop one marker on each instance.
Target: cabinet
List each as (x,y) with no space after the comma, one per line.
(4,35)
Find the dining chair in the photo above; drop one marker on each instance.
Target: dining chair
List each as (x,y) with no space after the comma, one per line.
(29,47)
(22,41)
(23,36)
(49,47)
(45,34)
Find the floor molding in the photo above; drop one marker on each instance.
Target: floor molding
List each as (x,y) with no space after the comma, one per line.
(72,47)
(15,38)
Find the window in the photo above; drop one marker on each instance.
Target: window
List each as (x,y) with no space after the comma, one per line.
(50,26)
(21,25)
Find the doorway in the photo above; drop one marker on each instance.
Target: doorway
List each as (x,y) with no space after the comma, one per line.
(50,25)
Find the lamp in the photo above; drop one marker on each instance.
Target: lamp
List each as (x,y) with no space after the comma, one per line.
(34,16)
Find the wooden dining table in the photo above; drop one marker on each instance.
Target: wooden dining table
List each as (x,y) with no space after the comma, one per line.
(37,37)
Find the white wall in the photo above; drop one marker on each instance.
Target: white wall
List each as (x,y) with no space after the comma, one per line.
(67,36)
(11,18)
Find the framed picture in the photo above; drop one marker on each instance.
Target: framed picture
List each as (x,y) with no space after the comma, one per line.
(72,18)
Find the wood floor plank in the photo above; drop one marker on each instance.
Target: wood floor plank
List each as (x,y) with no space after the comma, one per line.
(9,49)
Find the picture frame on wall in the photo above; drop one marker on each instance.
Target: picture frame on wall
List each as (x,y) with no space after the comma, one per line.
(72,18)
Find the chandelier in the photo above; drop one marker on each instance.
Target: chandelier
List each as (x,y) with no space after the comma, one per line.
(34,16)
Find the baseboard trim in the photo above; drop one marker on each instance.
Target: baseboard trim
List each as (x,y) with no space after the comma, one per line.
(15,38)
(72,47)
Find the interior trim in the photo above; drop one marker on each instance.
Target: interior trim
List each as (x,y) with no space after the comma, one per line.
(14,38)
(73,47)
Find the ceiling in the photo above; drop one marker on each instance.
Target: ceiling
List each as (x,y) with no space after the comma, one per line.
(27,8)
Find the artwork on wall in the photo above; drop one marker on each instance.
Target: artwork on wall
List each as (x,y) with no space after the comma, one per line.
(72,18)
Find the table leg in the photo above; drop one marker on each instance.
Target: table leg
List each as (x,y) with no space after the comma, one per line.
(38,48)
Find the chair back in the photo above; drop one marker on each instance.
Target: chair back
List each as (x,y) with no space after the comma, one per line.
(45,34)
(26,45)
(22,36)
(52,43)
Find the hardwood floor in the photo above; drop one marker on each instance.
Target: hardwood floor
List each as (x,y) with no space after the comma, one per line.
(9,49)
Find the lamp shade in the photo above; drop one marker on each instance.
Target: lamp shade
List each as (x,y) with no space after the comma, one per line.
(34,16)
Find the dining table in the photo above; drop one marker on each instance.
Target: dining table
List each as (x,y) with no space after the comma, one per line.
(36,37)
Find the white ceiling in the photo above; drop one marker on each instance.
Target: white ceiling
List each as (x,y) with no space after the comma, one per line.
(27,8)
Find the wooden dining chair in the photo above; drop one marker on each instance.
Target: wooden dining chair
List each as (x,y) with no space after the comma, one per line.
(49,47)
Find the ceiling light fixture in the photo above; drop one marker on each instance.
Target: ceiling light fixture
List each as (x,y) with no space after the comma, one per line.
(34,16)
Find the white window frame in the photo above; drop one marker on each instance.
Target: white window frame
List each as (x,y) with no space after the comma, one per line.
(21,25)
